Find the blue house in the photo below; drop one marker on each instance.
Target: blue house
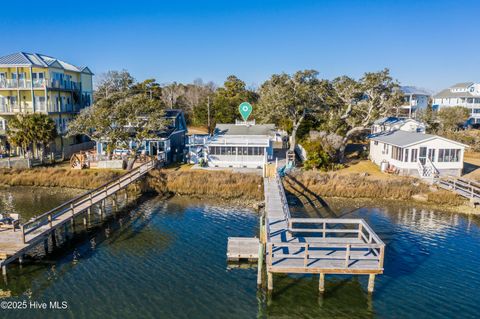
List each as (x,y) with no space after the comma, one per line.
(168,144)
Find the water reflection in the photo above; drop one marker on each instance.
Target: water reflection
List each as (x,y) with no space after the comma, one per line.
(298,297)
(166,259)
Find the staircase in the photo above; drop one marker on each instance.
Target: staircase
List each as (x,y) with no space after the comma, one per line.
(427,170)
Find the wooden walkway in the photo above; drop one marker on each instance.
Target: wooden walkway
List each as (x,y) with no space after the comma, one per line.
(316,245)
(14,244)
(463,187)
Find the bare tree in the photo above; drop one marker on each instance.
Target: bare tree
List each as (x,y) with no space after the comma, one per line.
(113,82)
(171,92)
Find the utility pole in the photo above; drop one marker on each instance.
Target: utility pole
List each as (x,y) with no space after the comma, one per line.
(208,113)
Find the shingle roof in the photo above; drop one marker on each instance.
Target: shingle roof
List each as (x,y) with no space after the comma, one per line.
(447,94)
(35,59)
(244,130)
(461,85)
(404,139)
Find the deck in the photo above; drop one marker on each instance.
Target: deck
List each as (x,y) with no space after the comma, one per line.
(15,243)
(317,245)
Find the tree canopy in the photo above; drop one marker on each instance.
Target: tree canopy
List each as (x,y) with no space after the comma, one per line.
(452,118)
(135,114)
(294,97)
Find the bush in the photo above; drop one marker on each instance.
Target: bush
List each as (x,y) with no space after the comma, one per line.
(317,157)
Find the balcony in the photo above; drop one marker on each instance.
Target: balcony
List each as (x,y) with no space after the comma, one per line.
(39,84)
(65,85)
(22,84)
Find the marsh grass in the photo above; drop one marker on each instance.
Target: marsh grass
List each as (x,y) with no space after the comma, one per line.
(218,184)
(355,185)
(57,177)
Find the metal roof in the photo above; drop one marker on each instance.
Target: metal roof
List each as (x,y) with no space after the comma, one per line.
(36,59)
(245,130)
(387,120)
(414,90)
(404,139)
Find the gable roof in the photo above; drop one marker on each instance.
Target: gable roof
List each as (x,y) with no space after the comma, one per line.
(447,93)
(405,139)
(245,130)
(461,85)
(42,60)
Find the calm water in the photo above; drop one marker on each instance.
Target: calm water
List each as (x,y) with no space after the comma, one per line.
(166,259)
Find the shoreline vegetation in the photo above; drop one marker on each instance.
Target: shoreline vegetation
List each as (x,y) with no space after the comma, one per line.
(246,189)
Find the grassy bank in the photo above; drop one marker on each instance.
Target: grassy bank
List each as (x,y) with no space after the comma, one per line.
(358,185)
(215,184)
(225,185)
(57,177)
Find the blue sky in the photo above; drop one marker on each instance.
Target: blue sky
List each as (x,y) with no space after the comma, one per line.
(431,44)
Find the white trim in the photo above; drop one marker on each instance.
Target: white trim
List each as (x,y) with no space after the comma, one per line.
(421,141)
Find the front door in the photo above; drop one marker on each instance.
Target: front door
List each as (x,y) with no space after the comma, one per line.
(422,156)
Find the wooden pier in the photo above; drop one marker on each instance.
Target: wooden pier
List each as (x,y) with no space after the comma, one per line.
(316,245)
(466,188)
(14,244)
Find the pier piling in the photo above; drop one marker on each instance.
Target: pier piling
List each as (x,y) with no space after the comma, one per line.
(41,229)
(321,283)
(270,280)
(371,282)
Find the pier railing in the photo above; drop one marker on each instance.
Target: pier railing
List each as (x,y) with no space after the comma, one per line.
(84,201)
(283,197)
(464,187)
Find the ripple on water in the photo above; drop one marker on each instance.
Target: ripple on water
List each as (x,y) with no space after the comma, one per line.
(168,261)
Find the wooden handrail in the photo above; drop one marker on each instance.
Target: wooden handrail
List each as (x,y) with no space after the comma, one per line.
(88,196)
(325,245)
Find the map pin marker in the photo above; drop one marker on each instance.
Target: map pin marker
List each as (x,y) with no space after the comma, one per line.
(245,110)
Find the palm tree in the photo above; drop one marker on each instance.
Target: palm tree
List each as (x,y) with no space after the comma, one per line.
(25,130)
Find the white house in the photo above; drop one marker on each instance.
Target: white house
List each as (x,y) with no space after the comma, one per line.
(389,124)
(241,145)
(461,94)
(417,154)
(414,99)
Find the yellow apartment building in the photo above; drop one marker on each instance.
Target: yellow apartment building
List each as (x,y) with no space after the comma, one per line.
(32,82)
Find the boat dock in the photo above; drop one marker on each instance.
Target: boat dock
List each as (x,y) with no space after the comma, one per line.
(14,243)
(315,245)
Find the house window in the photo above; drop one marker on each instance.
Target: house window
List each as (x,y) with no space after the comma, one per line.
(375,142)
(406,155)
(448,155)
(431,154)
(414,155)
(397,153)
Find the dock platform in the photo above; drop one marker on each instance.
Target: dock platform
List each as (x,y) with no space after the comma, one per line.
(317,245)
(242,248)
